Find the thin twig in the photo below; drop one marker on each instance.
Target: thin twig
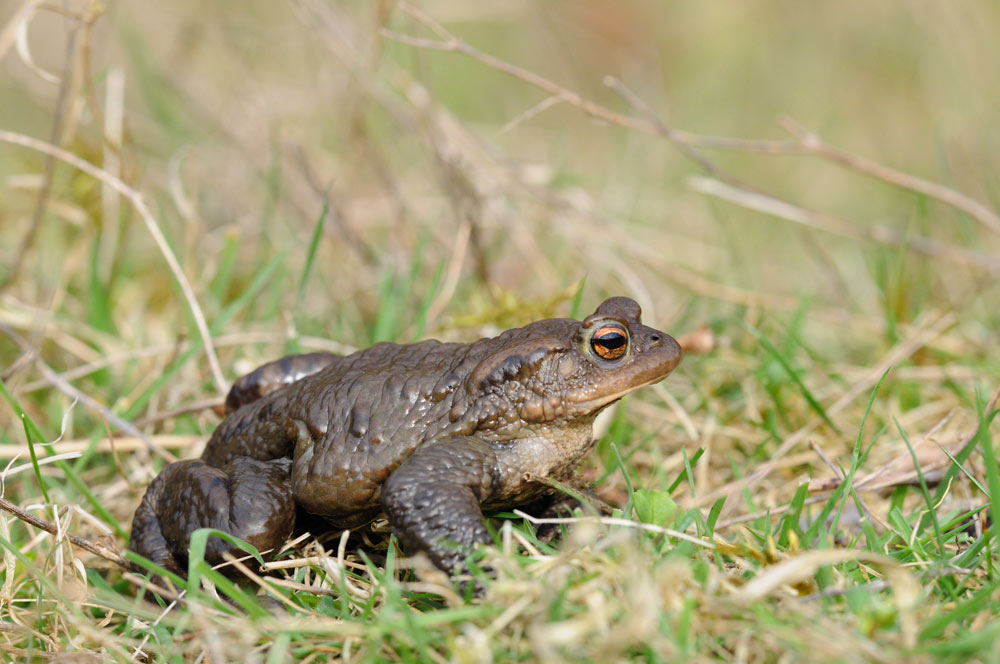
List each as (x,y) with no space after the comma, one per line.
(97,549)
(826,459)
(137,201)
(813,144)
(524,116)
(453,272)
(781,209)
(662,129)
(449,42)
(895,478)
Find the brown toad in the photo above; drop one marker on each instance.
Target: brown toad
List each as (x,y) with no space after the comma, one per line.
(431,434)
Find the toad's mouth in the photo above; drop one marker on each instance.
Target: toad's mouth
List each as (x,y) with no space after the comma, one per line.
(596,403)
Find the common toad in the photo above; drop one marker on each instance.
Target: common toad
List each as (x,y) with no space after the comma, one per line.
(431,434)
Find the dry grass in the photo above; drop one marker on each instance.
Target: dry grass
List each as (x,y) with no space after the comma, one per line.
(189,190)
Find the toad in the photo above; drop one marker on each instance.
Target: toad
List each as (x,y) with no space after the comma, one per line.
(431,435)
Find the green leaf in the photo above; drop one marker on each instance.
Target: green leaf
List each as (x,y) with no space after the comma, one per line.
(655,507)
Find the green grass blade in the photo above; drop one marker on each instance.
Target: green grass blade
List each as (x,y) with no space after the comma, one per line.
(792,517)
(386,318)
(836,499)
(34,457)
(793,375)
(199,544)
(226,264)
(990,462)
(278,653)
(628,481)
(576,303)
(686,474)
(713,515)
(924,491)
(317,235)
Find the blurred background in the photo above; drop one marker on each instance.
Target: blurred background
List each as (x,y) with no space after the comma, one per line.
(479,167)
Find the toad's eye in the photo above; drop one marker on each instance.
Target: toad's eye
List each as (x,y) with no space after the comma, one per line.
(610,342)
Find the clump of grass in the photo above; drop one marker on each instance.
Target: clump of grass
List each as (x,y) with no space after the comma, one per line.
(817,481)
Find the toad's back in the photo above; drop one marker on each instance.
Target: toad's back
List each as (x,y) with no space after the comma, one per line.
(350,424)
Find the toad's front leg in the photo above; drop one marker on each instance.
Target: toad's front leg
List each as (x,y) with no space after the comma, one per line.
(433,499)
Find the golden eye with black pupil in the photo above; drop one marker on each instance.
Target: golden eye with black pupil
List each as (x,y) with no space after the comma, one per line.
(610,342)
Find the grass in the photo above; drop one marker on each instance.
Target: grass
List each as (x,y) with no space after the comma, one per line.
(816,482)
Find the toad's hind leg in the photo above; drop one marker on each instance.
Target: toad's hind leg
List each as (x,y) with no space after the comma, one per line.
(247,498)
(274,375)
